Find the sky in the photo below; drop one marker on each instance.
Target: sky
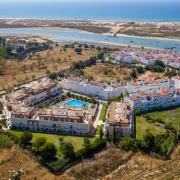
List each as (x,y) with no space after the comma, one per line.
(5,1)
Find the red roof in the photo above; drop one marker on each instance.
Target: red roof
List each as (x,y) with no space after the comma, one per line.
(155,95)
(135,98)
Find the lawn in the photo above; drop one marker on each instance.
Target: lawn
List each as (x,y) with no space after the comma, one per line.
(98,130)
(168,115)
(75,140)
(143,125)
(103,113)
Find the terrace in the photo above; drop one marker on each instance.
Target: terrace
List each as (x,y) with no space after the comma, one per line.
(119,114)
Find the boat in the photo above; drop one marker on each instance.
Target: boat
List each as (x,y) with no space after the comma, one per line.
(131,41)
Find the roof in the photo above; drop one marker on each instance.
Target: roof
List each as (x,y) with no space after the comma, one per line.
(155,94)
(135,98)
(120,113)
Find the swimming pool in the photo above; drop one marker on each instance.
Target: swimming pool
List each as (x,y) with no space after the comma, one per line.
(76,103)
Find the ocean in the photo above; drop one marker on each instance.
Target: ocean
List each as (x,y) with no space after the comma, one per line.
(125,11)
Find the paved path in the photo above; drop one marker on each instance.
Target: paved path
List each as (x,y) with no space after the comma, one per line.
(95,123)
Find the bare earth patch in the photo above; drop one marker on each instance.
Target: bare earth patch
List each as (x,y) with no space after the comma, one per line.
(54,61)
(107,72)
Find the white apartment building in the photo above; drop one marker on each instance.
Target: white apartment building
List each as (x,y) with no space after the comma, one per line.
(150,84)
(154,99)
(96,89)
(177,81)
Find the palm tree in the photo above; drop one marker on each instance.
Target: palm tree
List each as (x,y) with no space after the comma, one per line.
(84,106)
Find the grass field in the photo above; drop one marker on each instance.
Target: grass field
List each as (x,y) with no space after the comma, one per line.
(169,115)
(103,113)
(143,125)
(21,71)
(75,140)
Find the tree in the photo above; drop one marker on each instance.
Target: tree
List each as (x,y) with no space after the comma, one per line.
(107,135)
(101,132)
(24,68)
(67,149)
(98,48)
(126,94)
(40,141)
(5,141)
(47,151)
(32,67)
(133,74)
(86,46)
(78,50)
(87,144)
(33,76)
(100,55)
(48,72)
(26,138)
(127,144)
(149,140)
(52,76)
(140,70)
(159,63)
(114,135)
(61,140)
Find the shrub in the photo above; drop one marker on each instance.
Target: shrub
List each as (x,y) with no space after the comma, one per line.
(61,139)
(47,151)
(26,137)
(5,141)
(137,112)
(128,143)
(67,149)
(40,141)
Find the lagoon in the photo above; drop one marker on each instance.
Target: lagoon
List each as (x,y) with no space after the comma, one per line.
(72,35)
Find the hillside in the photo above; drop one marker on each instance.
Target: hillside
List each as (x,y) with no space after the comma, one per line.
(37,65)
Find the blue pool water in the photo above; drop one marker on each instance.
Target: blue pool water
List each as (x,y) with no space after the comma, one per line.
(76,103)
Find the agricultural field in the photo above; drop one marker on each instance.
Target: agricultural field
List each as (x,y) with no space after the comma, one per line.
(39,64)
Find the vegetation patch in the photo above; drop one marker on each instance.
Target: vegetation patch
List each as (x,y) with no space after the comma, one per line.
(103,113)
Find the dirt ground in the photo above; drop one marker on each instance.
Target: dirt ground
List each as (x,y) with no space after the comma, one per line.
(111,164)
(107,72)
(54,61)
(150,74)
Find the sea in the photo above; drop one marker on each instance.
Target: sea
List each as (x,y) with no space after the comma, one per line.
(129,10)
